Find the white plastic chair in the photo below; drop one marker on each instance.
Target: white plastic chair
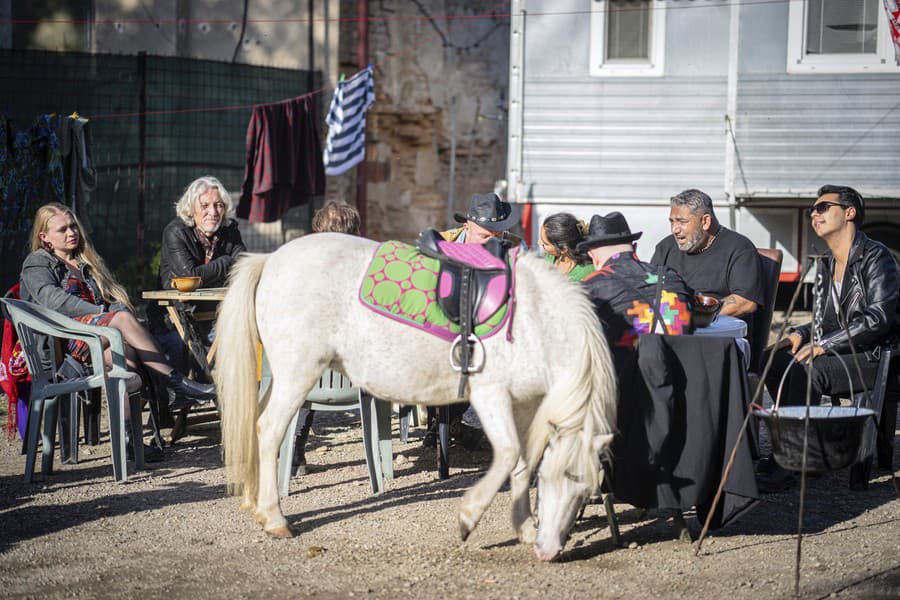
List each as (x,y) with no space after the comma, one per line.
(32,322)
(334,392)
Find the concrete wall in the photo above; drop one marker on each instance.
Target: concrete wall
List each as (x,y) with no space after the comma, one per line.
(422,62)
(276,33)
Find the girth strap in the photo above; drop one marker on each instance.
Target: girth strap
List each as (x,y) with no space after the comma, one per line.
(465,324)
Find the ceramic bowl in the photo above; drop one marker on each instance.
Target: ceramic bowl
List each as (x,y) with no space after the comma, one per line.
(705,310)
(185,284)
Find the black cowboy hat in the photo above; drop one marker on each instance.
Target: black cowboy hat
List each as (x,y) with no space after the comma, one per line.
(490,212)
(608,230)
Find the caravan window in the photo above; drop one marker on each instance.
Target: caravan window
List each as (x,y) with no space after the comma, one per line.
(839,36)
(628,30)
(627,37)
(842,27)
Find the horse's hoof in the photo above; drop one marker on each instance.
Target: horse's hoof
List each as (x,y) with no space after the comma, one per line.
(464,532)
(247,506)
(260,518)
(527,532)
(280,533)
(465,529)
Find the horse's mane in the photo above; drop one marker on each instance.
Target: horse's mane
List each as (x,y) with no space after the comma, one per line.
(580,403)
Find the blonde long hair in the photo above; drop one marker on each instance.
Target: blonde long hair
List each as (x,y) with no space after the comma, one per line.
(84,252)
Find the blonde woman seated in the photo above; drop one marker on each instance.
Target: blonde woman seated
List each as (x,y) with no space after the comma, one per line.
(560,235)
(65,273)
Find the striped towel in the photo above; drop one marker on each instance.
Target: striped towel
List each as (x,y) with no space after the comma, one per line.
(346,142)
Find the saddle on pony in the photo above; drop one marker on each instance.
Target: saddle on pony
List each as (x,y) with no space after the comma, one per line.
(473,283)
(473,280)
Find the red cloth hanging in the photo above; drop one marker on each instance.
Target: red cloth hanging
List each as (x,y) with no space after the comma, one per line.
(284,159)
(14,375)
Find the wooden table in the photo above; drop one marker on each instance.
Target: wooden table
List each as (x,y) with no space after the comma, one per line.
(687,396)
(184,320)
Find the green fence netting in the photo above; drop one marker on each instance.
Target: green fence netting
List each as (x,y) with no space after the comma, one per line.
(180,142)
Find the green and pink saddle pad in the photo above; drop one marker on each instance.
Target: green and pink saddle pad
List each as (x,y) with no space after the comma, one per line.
(403,284)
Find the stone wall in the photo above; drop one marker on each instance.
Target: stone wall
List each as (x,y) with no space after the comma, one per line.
(426,67)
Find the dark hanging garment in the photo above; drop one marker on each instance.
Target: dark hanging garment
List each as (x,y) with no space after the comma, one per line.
(284,159)
(76,145)
(30,174)
(9,211)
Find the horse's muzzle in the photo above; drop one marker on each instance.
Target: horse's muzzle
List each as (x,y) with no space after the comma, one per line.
(547,554)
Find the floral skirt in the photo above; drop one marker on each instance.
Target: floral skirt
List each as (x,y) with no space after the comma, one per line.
(80,350)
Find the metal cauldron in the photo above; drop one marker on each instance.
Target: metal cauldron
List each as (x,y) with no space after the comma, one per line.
(835,435)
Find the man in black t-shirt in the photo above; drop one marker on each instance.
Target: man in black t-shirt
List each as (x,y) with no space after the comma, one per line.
(712,260)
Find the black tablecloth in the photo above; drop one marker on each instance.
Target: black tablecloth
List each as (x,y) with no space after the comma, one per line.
(682,401)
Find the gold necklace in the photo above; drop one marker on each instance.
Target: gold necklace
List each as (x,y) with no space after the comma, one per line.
(709,243)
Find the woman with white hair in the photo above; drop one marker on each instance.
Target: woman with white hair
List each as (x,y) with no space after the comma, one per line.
(203,239)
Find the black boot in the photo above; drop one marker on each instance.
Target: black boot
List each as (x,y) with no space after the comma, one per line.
(304,424)
(298,461)
(184,392)
(152,454)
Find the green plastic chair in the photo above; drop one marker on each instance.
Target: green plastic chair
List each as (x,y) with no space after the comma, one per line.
(32,323)
(334,392)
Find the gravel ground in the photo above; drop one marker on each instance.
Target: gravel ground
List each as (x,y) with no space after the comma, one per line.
(170,532)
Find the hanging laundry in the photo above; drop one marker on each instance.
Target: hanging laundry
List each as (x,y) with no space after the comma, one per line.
(78,165)
(284,159)
(31,172)
(346,143)
(8,211)
(892,8)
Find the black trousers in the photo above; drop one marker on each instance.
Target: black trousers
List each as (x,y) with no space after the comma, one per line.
(304,423)
(829,377)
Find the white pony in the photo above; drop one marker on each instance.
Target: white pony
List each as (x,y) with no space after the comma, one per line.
(551,386)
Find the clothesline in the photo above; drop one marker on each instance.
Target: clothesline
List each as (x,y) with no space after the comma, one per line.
(491,15)
(317,91)
(206,109)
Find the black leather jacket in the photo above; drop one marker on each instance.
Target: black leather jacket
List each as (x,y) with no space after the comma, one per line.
(182,254)
(868,299)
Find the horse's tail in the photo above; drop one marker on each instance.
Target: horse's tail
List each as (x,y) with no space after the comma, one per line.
(235,374)
(582,398)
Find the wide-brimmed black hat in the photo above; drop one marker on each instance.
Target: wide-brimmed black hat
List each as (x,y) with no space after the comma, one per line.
(608,230)
(489,211)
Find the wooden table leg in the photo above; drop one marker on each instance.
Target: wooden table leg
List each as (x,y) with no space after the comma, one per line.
(211,355)
(179,427)
(176,321)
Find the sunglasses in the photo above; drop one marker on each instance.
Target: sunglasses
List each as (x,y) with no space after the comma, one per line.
(821,207)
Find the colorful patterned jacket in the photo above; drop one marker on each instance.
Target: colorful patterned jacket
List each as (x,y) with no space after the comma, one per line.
(624,291)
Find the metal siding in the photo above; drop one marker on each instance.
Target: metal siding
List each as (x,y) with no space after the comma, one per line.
(591,140)
(599,140)
(796,133)
(557,37)
(625,140)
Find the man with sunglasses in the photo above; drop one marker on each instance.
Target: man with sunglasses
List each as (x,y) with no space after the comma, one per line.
(861,286)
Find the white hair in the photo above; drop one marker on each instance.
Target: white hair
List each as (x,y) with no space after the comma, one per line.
(184,208)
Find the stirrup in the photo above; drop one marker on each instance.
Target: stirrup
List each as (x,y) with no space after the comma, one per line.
(477,356)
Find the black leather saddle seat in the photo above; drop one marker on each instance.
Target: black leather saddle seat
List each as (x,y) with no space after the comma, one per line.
(485,264)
